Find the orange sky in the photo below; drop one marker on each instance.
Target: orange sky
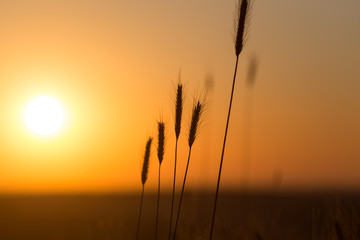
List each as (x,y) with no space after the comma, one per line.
(113,66)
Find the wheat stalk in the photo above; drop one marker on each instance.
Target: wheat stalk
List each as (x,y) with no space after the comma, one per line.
(239,42)
(144,175)
(178,116)
(195,120)
(160,154)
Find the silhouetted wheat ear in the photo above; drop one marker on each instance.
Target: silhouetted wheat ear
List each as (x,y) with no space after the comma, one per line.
(145,169)
(161,141)
(144,174)
(179,109)
(196,113)
(240,32)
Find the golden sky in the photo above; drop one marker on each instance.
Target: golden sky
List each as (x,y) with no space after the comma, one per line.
(113,66)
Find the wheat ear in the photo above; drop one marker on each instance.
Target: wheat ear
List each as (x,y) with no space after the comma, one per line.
(144,175)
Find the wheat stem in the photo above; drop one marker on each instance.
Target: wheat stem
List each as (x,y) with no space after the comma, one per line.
(157,206)
(223,149)
(182,193)
(173,191)
(141,203)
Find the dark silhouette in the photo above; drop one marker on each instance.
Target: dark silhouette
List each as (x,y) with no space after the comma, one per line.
(160,154)
(144,174)
(239,41)
(195,119)
(178,116)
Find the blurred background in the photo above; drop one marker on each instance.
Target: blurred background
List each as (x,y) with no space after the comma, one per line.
(114,66)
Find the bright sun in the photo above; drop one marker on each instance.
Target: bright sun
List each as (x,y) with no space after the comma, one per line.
(44,115)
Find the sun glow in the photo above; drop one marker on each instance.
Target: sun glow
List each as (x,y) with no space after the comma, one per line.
(44,115)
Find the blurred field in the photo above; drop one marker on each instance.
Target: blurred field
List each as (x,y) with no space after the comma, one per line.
(240,216)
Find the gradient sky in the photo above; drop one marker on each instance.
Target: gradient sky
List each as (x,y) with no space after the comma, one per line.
(113,66)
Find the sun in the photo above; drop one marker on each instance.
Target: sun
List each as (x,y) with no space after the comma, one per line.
(44,115)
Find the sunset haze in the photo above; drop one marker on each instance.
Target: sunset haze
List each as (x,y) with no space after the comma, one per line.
(114,65)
